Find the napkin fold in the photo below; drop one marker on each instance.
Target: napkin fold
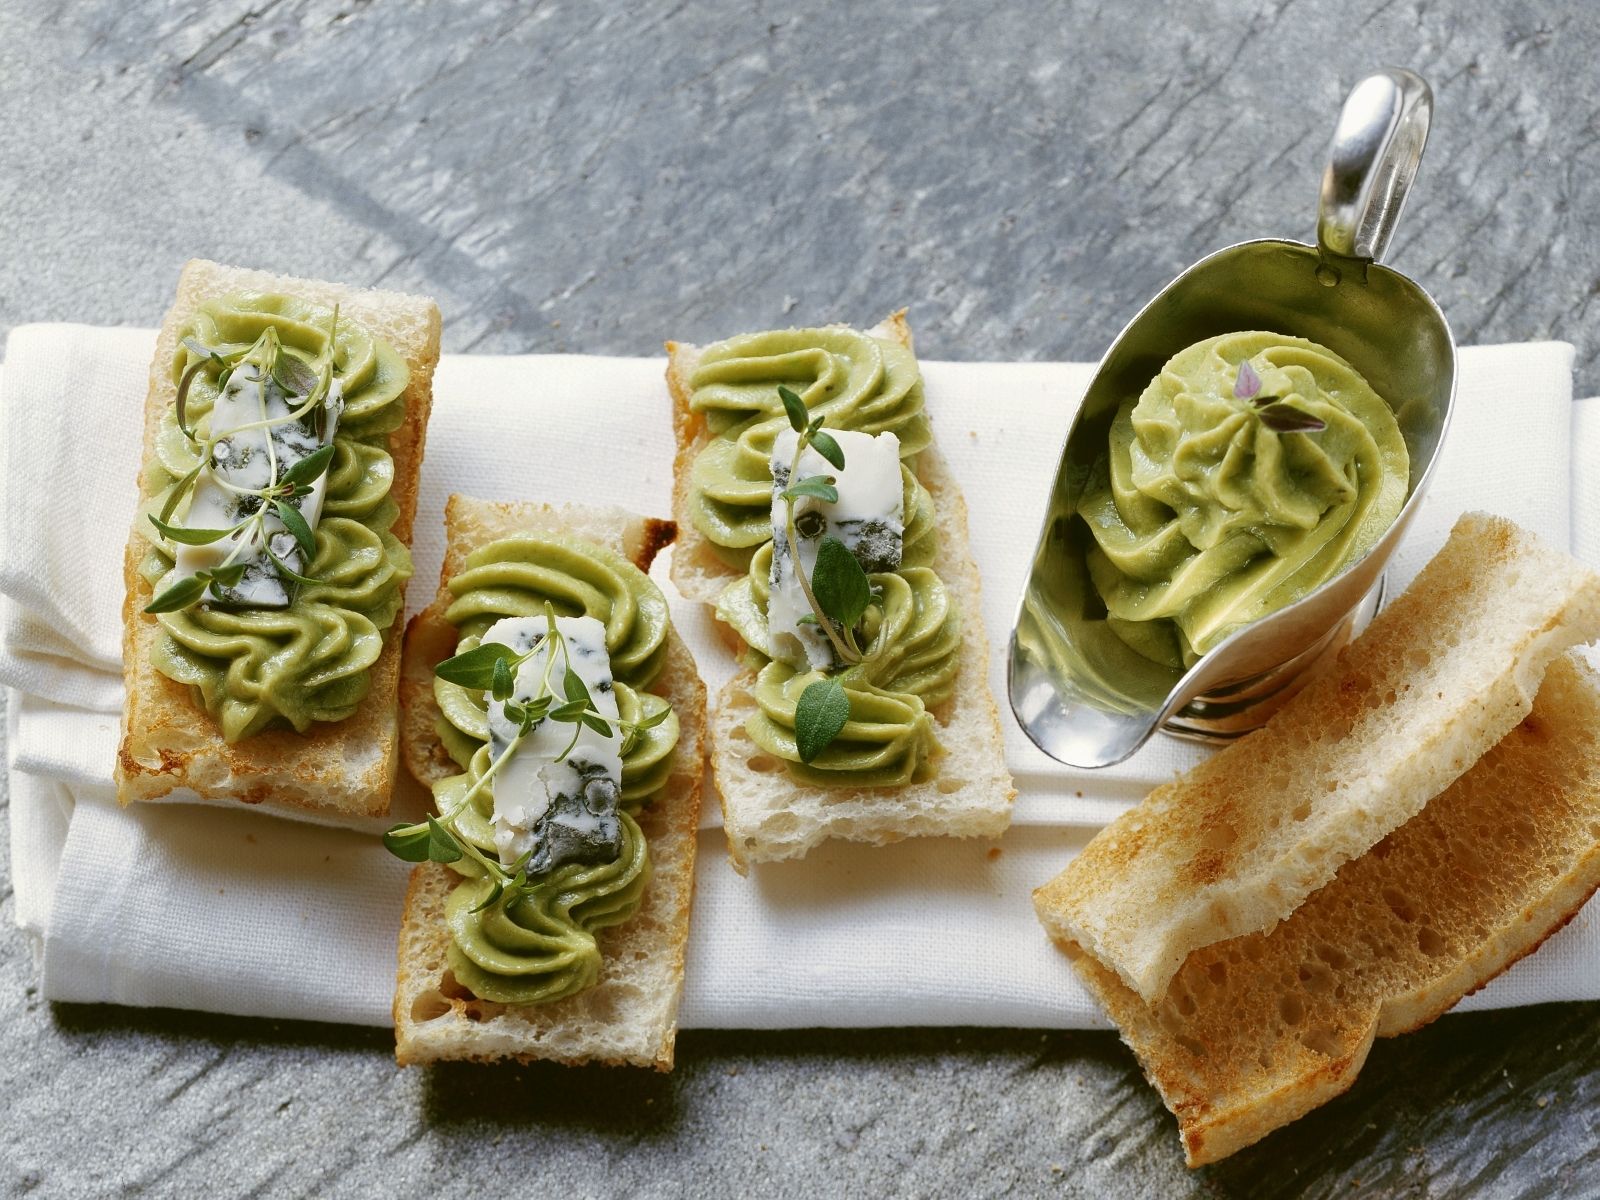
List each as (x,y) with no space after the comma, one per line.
(236,911)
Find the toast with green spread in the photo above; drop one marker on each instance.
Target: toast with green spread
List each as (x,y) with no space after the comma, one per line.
(558,720)
(862,708)
(266,570)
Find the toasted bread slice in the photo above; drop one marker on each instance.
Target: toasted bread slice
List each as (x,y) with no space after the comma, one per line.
(1235,845)
(1259,1030)
(768,815)
(631,1015)
(169,745)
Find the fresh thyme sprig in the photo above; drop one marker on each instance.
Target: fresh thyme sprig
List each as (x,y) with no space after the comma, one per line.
(492,668)
(296,378)
(838,590)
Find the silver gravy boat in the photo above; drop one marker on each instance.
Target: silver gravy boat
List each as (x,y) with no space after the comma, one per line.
(1078,691)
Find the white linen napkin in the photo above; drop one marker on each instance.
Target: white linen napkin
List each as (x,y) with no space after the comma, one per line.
(241,912)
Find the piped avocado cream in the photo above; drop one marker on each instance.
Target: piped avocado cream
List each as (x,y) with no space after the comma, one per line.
(1252,469)
(275,630)
(556,805)
(868,394)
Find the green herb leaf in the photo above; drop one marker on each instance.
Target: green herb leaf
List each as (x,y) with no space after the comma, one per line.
(308,468)
(572,710)
(294,521)
(818,486)
(442,845)
(408,842)
(179,491)
(189,537)
(538,709)
(794,407)
(180,406)
(839,584)
(819,717)
(494,894)
(572,685)
(596,722)
(284,568)
(503,683)
(824,445)
(293,374)
(655,718)
(473,669)
(180,595)
(228,576)
(516,714)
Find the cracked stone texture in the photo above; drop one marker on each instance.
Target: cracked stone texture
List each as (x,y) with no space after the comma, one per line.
(577,177)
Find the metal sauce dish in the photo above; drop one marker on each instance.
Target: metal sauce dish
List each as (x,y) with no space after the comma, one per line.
(1078,691)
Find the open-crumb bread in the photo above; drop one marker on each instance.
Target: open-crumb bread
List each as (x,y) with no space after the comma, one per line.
(630,1015)
(767,814)
(1239,842)
(169,744)
(1256,1031)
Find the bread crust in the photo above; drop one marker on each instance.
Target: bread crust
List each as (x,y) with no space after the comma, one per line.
(170,745)
(767,815)
(1259,1030)
(1239,842)
(629,1017)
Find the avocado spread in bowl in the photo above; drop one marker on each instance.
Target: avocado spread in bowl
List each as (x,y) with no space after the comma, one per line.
(1253,468)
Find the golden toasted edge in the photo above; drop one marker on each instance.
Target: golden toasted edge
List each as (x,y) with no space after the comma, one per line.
(1209,1133)
(1480,545)
(476,1030)
(167,742)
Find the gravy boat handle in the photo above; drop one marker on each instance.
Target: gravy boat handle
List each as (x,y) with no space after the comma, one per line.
(1377,147)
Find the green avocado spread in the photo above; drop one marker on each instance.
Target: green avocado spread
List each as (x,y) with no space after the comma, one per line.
(254,668)
(540,944)
(859,384)
(1253,468)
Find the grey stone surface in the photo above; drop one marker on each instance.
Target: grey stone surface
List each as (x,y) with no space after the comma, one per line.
(592,177)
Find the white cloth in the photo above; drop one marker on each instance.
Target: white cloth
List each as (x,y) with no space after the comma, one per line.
(235,911)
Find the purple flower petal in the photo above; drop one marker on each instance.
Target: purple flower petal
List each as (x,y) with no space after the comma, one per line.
(1248,383)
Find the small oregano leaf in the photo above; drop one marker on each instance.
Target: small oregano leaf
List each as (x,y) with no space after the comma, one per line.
(308,468)
(839,584)
(794,407)
(408,842)
(474,668)
(503,683)
(189,537)
(442,845)
(494,894)
(822,442)
(179,491)
(179,596)
(294,521)
(821,714)
(819,487)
